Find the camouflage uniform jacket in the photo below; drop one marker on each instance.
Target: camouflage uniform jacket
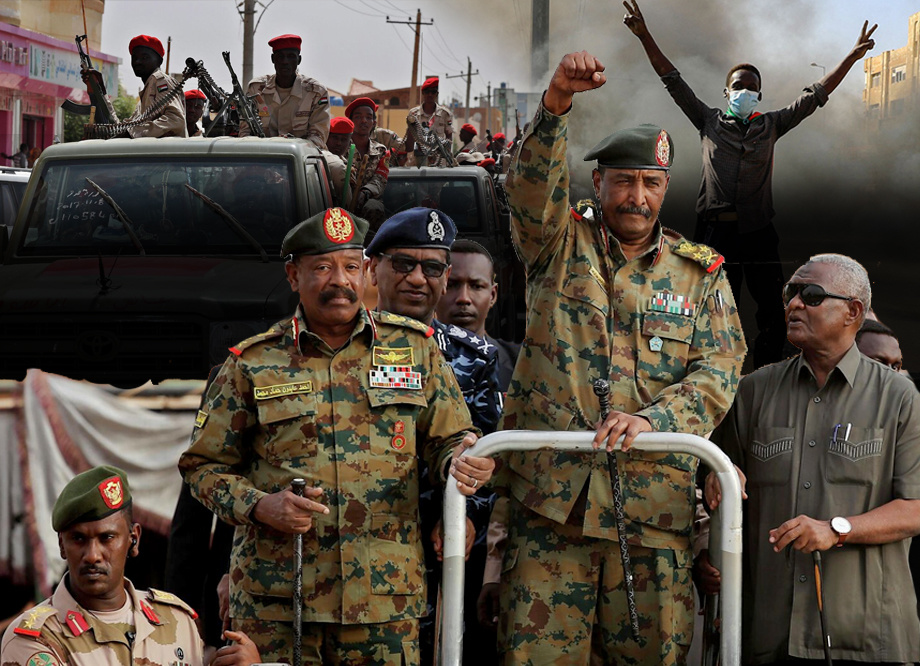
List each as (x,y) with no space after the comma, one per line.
(304,113)
(374,179)
(171,122)
(438,121)
(286,405)
(59,631)
(662,328)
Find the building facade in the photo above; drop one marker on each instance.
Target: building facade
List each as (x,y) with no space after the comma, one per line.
(893,81)
(40,67)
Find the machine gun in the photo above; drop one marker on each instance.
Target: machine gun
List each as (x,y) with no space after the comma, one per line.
(115,129)
(97,109)
(432,145)
(244,104)
(232,107)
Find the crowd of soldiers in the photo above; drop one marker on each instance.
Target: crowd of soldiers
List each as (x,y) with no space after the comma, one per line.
(578,559)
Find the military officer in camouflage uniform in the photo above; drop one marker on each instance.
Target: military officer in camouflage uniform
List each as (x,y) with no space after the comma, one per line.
(611,294)
(350,401)
(289,102)
(363,113)
(429,114)
(410,257)
(96,617)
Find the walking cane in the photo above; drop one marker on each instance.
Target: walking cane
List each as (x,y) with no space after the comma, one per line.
(297,487)
(602,391)
(819,588)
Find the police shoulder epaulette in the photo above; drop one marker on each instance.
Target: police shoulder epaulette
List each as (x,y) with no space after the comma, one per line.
(471,340)
(32,621)
(274,332)
(406,322)
(585,209)
(161,597)
(702,254)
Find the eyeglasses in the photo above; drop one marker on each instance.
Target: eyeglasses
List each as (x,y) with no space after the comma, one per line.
(812,295)
(430,267)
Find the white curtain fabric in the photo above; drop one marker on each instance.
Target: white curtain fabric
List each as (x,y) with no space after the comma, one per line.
(64,428)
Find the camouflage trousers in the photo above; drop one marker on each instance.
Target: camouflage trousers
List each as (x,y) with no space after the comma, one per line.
(563,600)
(382,644)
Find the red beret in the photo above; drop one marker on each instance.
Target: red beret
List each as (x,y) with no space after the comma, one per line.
(282,42)
(486,162)
(361,101)
(430,83)
(149,42)
(195,94)
(469,128)
(341,125)
(500,135)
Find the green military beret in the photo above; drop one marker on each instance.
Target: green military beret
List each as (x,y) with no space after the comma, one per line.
(92,495)
(642,147)
(332,230)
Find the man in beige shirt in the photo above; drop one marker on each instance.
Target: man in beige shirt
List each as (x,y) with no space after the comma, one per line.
(830,444)
(432,115)
(96,617)
(289,102)
(146,57)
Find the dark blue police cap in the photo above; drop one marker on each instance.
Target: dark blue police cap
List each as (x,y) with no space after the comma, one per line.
(416,227)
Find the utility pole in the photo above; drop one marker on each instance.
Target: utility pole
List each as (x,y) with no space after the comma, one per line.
(413,89)
(488,99)
(248,12)
(469,78)
(539,43)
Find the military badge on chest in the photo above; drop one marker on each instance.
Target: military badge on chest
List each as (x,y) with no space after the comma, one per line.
(664,301)
(393,369)
(180,655)
(399,436)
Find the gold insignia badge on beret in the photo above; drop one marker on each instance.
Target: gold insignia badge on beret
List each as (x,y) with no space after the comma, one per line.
(112,493)
(338,226)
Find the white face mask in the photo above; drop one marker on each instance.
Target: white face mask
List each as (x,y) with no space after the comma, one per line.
(742,102)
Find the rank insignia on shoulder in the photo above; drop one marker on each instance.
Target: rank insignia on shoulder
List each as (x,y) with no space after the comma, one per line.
(672,304)
(393,356)
(200,419)
(655,344)
(31,624)
(703,254)
(395,377)
(278,390)
(585,209)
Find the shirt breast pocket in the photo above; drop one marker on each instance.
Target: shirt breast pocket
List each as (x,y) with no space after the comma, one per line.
(590,296)
(674,334)
(395,415)
(769,461)
(856,459)
(290,427)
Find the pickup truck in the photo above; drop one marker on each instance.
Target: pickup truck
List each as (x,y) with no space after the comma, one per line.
(469,196)
(145,259)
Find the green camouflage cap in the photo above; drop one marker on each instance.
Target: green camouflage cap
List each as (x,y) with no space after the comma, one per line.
(332,230)
(92,495)
(642,147)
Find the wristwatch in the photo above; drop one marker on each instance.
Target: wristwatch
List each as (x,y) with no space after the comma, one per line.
(842,529)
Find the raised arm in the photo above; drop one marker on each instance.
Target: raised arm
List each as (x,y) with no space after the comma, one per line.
(864,44)
(636,22)
(576,73)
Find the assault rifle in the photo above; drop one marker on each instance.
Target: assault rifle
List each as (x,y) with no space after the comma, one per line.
(97,109)
(244,104)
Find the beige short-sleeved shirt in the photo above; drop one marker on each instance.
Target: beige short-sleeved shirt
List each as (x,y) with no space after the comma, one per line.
(841,450)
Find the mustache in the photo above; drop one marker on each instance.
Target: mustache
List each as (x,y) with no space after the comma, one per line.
(327,295)
(635,210)
(93,569)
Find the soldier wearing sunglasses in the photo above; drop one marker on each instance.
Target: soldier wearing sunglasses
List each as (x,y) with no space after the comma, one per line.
(829,442)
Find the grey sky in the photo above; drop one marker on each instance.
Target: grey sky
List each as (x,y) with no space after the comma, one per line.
(350,38)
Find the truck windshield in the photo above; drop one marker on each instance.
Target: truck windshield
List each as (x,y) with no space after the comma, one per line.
(69,217)
(454,196)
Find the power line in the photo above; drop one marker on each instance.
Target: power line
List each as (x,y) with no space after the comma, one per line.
(372,8)
(444,41)
(401,39)
(352,9)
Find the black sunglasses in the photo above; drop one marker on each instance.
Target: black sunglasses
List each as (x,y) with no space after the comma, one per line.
(430,267)
(812,295)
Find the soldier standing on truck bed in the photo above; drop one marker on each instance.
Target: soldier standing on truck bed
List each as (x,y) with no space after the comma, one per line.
(292,104)
(146,57)
(430,114)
